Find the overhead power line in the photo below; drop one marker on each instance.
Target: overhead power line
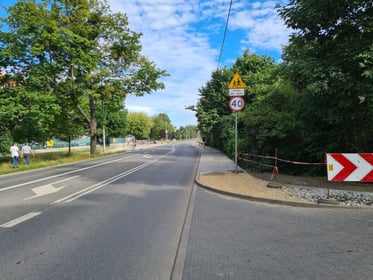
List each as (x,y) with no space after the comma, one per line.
(225,33)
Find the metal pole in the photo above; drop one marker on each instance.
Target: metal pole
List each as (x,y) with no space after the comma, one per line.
(104,136)
(103,127)
(235,144)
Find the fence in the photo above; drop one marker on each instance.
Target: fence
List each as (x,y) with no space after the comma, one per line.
(246,158)
(77,142)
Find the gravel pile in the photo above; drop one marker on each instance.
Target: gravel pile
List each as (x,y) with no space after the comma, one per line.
(346,198)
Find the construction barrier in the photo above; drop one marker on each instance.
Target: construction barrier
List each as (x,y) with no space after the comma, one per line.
(246,158)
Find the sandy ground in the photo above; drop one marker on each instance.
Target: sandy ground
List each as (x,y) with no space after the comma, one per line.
(246,184)
(257,185)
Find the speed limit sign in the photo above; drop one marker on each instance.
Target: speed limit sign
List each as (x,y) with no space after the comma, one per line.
(236,103)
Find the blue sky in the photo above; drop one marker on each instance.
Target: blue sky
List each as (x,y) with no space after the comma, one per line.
(184,37)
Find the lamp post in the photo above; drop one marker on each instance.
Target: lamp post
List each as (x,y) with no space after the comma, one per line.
(103,126)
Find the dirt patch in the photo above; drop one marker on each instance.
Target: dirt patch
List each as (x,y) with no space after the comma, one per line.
(319,182)
(245,184)
(256,185)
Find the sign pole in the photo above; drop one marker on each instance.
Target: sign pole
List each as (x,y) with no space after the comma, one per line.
(236,103)
(235,143)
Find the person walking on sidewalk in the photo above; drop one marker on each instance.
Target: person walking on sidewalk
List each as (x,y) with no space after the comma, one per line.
(14,153)
(27,152)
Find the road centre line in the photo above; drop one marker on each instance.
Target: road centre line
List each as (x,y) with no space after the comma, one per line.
(19,220)
(63,174)
(100,185)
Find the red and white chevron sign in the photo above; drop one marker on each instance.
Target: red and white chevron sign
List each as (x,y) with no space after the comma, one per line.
(350,167)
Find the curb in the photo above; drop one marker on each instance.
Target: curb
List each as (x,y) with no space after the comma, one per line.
(274,201)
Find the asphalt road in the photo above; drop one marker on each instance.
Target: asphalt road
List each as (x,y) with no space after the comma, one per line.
(122,217)
(118,217)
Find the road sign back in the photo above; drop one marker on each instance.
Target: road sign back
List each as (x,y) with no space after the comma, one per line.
(236,82)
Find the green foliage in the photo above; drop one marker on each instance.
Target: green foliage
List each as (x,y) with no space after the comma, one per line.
(329,60)
(139,125)
(186,132)
(161,124)
(6,141)
(319,100)
(26,114)
(78,53)
(215,119)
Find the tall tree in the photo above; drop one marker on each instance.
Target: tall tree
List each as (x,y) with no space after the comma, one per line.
(213,104)
(215,119)
(162,126)
(139,125)
(79,51)
(329,59)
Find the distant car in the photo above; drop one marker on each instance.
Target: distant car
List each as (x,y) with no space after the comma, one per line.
(155,141)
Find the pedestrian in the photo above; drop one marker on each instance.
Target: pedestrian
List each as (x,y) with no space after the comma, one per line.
(14,153)
(26,152)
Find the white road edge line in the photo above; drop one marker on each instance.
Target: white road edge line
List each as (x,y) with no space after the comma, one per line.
(19,220)
(66,173)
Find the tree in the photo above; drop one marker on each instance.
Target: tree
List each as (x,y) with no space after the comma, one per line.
(139,125)
(329,59)
(162,126)
(79,51)
(213,104)
(187,132)
(25,114)
(212,110)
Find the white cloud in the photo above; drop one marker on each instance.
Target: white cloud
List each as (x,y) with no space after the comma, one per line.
(184,38)
(263,28)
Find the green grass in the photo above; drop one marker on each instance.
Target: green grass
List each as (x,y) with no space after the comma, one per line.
(46,159)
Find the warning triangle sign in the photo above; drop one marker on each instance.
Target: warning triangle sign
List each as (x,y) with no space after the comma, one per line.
(236,82)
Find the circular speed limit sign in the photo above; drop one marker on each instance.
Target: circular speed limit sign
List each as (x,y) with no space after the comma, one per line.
(236,103)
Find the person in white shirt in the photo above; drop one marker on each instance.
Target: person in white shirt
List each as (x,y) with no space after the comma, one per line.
(26,152)
(14,153)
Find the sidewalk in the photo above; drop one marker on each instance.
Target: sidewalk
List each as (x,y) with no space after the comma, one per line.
(214,161)
(217,174)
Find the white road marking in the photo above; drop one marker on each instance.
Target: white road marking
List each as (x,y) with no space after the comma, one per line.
(19,220)
(100,185)
(44,190)
(76,195)
(48,189)
(66,173)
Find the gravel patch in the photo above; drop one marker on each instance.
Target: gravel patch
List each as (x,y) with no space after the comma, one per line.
(343,197)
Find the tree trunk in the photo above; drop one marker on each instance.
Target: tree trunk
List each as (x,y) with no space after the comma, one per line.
(93,144)
(69,144)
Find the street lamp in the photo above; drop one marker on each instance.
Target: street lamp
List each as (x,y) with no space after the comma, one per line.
(103,126)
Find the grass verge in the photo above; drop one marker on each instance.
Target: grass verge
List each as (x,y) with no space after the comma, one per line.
(47,159)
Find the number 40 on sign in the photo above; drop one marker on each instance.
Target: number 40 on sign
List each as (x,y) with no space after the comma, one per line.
(236,103)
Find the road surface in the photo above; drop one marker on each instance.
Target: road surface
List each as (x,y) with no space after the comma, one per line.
(118,217)
(138,215)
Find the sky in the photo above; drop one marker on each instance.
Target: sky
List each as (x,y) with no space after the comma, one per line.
(184,37)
